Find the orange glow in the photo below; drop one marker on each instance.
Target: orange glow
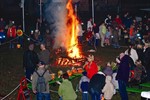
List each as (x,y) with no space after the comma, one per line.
(72,31)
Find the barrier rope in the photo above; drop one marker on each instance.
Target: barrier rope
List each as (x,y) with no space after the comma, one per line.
(17,38)
(8,41)
(18,87)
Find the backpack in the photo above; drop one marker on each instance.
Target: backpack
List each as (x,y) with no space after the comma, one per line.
(41,84)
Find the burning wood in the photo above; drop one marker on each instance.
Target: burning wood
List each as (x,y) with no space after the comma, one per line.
(67,61)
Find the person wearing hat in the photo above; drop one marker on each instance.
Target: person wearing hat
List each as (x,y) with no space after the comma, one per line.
(83,85)
(41,72)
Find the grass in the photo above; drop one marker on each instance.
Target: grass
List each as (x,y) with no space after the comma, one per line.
(11,70)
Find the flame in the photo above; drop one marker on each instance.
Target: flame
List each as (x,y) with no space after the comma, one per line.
(72,28)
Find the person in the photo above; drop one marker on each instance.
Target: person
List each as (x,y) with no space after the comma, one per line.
(138,71)
(115,34)
(146,59)
(30,61)
(108,69)
(108,36)
(11,33)
(108,20)
(96,35)
(66,91)
(83,85)
(42,93)
(2,25)
(123,74)
(132,53)
(44,55)
(139,50)
(90,66)
(102,32)
(80,33)
(96,85)
(108,89)
(90,24)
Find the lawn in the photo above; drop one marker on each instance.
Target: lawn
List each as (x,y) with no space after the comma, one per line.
(11,70)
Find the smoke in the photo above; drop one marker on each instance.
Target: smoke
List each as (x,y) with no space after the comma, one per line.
(55,14)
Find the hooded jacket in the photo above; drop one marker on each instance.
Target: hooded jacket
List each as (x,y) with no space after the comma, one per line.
(108,89)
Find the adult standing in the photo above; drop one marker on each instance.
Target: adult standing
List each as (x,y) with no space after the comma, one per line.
(44,55)
(102,31)
(146,59)
(132,53)
(40,82)
(30,61)
(124,62)
(96,85)
(90,24)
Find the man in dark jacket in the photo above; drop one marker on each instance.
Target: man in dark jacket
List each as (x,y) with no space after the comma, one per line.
(124,62)
(96,85)
(146,59)
(30,61)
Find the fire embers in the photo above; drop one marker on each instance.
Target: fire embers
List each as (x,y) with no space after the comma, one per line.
(66,61)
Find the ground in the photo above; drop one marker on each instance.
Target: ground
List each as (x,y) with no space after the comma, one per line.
(11,70)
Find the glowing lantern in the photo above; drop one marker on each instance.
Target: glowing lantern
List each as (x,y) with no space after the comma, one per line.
(60,72)
(74,71)
(80,70)
(69,73)
(52,76)
(18,46)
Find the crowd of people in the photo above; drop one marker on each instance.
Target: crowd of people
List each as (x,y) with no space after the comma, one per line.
(134,32)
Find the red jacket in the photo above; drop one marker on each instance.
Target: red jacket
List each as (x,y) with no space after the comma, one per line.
(11,32)
(91,69)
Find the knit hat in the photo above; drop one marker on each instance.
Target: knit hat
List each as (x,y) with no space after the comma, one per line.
(41,63)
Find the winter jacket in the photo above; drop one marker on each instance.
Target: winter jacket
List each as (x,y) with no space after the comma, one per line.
(124,69)
(84,83)
(97,83)
(66,90)
(35,78)
(91,69)
(30,59)
(108,89)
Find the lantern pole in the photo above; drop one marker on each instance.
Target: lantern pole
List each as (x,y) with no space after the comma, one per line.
(93,11)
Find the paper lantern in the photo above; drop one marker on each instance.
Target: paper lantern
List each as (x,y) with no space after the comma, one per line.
(80,70)
(69,73)
(18,46)
(52,76)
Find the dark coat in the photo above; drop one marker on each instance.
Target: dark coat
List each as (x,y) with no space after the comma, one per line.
(30,59)
(146,58)
(97,83)
(124,68)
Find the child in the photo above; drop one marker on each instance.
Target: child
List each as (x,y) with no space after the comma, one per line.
(108,35)
(108,69)
(83,86)
(40,85)
(66,90)
(108,89)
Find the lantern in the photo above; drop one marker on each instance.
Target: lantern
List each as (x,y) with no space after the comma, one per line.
(80,70)
(69,72)
(18,46)
(52,76)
